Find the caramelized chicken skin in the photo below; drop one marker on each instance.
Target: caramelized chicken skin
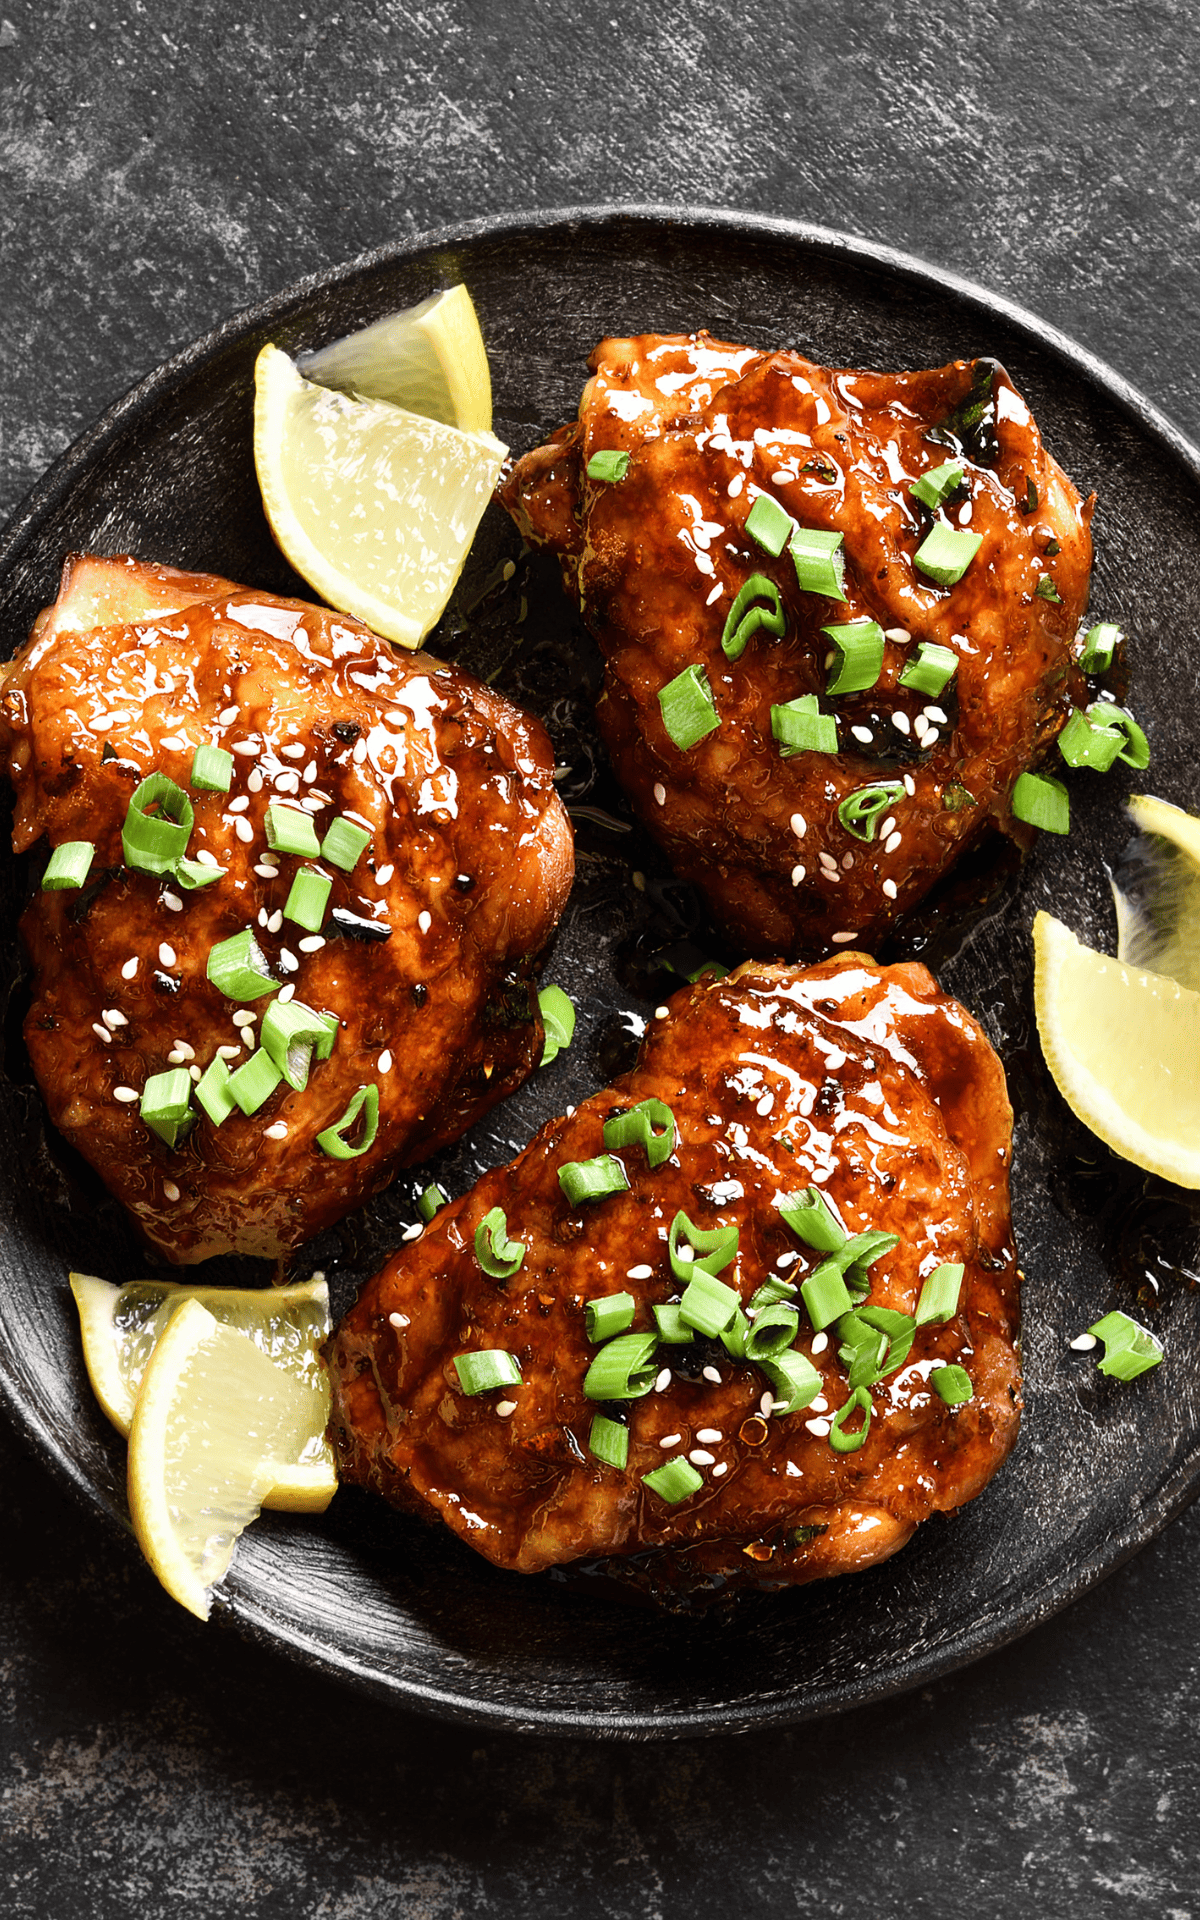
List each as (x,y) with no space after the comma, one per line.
(425,953)
(866,1081)
(657,557)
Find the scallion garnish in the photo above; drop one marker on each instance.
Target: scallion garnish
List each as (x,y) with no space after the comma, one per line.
(800,727)
(930,670)
(1129,1349)
(946,552)
(212,1091)
(939,1294)
(363,1108)
(673,1330)
(344,843)
(623,1369)
(820,562)
(431,1200)
(291,831)
(860,810)
(608,1316)
(860,644)
(769,524)
(772,1332)
(757,605)
(212,769)
(489,1367)
(499,1256)
(771,1292)
(596,1179)
(713,1249)
(936,486)
(839,1439)
(733,1337)
(558,1023)
(238,967)
(1046,590)
(1099,644)
(290,1034)
(166,1104)
(708,1304)
(196,873)
(1041,801)
(255,1081)
(809,1217)
(825,1295)
(1135,749)
(68,865)
(1085,742)
(794,1381)
(952,1384)
(611,464)
(675,1481)
(609,1441)
(688,709)
(635,1128)
(157,825)
(862,1351)
(898,1330)
(308,898)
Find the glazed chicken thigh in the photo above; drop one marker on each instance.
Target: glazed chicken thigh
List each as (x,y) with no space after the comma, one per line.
(679,505)
(862,1096)
(380,851)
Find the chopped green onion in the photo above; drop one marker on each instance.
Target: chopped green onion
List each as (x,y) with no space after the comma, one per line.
(939,1294)
(748,614)
(212,769)
(212,1091)
(289,830)
(1085,742)
(860,810)
(794,1380)
(930,670)
(820,562)
(945,553)
(771,1292)
(332,1139)
(324,1046)
(157,825)
(1099,644)
(635,1128)
(674,1482)
(733,1337)
(431,1201)
(774,1330)
(952,1384)
(673,1330)
(860,644)
(610,1315)
(1046,590)
(238,967)
(558,1022)
(166,1104)
(623,1369)
(769,524)
(1041,801)
(1135,750)
(708,1304)
(688,709)
(197,873)
(610,464)
(825,1295)
(714,1249)
(936,486)
(255,1081)
(596,1179)
(1129,1349)
(499,1256)
(609,1441)
(290,1032)
(864,1249)
(809,1217)
(800,727)
(839,1439)
(489,1367)
(68,865)
(863,1350)
(308,898)
(344,843)
(897,1328)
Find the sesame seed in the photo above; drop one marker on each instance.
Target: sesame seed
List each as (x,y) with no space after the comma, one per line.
(910,785)
(129,970)
(935,713)
(398,1320)
(901,722)
(311,943)
(166,955)
(170,1190)
(276,1132)
(124,1094)
(113,1017)
(931,738)
(175,1058)
(820,1404)
(383,876)
(964,514)
(294,750)
(196,1074)
(243,746)
(360,751)
(847,861)
(766,1403)
(670,1440)
(173,742)
(239,805)
(228,715)
(799,825)
(254,781)
(864,734)
(228,1053)
(710,1435)
(244,1017)
(414,1232)
(384,1062)
(835,1059)
(288,781)
(718,1471)
(660,794)
(639,1273)
(889,826)
(101,725)
(765,1104)
(828,862)
(1083,1342)
(274,921)
(900,634)
(663,1380)
(286,993)
(798,874)
(820,1343)
(265,872)
(424,921)
(892,842)
(172,901)
(206,858)
(786,1260)
(261,916)
(660,1013)
(505,1408)
(840,939)
(244,831)
(700,1458)
(711,1373)
(101,1033)
(310,773)
(288,960)
(819,1427)
(889,887)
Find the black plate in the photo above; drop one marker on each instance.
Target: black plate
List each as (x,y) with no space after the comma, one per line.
(1100,1467)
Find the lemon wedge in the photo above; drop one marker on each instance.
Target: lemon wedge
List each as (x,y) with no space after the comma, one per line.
(121,1327)
(375,506)
(429,359)
(1161,932)
(1123,1045)
(213,1420)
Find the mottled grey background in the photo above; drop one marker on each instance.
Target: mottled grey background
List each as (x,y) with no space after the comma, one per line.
(163,166)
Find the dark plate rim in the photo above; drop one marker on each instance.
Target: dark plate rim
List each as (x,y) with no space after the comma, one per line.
(254,1622)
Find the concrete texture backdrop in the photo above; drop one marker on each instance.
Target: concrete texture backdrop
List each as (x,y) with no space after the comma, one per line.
(164,165)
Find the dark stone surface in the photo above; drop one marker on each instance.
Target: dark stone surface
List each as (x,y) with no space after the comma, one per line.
(160,172)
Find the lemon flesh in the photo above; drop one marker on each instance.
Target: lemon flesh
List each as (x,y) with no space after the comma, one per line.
(1164,936)
(376,507)
(430,359)
(213,1420)
(121,1327)
(1123,1045)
